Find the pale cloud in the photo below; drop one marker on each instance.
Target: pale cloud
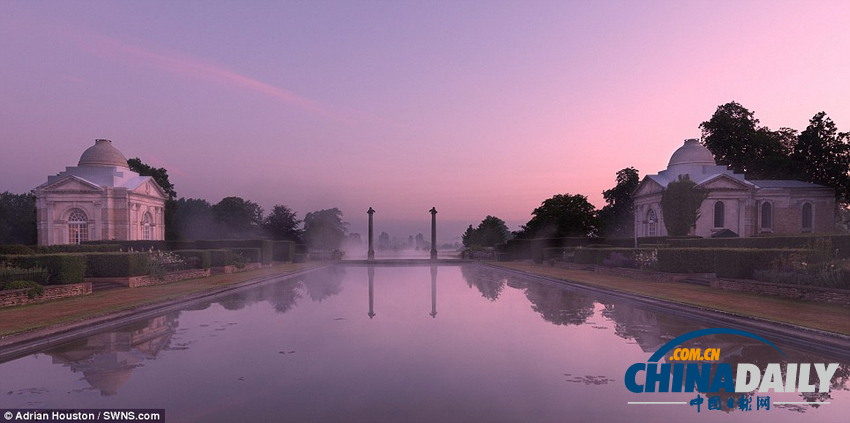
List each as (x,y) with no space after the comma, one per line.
(195,69)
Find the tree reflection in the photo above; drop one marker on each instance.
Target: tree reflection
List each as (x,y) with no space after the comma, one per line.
(284,295)
(324,283)
(558,305)
(489,282)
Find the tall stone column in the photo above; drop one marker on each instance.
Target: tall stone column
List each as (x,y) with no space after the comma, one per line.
(433,233)
(371,254)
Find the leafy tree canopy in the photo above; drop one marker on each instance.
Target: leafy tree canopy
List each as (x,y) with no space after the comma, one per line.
(680,203)
(237,218)
(561,216)
(159,174)
(735,139)
(490,231)
(822,155)
(618,217)
(193,219)
(282,224)
(17,219)
(324,229)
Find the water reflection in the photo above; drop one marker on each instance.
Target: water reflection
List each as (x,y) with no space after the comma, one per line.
(326,360)
(107,360)
(324,283)
(489,281)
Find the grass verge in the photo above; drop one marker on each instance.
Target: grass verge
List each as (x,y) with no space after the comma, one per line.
(14,320)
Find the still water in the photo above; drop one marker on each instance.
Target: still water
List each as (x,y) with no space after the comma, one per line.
(439,344)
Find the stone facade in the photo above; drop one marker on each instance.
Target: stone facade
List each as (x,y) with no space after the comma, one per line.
(745,207)
(99,199)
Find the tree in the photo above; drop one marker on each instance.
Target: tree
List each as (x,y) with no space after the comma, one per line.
(735,139)
(18,219)
(237,218)
(822,156)
(282,224)
(324,229)
(490,231)
(561,216)
(617,218)
(680,203)
(193,219)
(160,176)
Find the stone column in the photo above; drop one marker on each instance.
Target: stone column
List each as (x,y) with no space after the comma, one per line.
(371,292)
(371,254)
(433,291)
(433,233)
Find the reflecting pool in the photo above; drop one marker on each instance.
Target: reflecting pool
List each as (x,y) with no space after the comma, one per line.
(439,344)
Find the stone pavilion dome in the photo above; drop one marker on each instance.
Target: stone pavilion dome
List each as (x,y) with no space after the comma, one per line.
(692,153)
(102,153)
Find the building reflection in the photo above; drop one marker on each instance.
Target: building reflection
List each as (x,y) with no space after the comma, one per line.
(107,360)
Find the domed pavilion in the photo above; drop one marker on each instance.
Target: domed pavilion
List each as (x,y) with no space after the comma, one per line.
(735,206)
(99,199)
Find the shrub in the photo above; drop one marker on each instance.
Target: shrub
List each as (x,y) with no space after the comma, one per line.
(61,268)
(117,265)
(35,290)
(35,274)
(195,259)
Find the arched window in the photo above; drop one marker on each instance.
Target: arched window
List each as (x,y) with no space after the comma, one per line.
(766,216)
(807,217)
(651,223)
(147,227)
(78,227)
(719,214)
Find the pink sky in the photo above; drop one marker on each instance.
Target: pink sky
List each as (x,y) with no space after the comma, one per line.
(476,108)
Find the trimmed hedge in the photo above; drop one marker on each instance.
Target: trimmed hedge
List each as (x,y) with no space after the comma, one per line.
(595,255)
(203,257)
(266,247)
(16,249)
(686,260)
(61,268)
(301,254)
(135,246)
(741,263)
(251,255)
(841,243)
(117,265)
(283,250)
(219,258)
